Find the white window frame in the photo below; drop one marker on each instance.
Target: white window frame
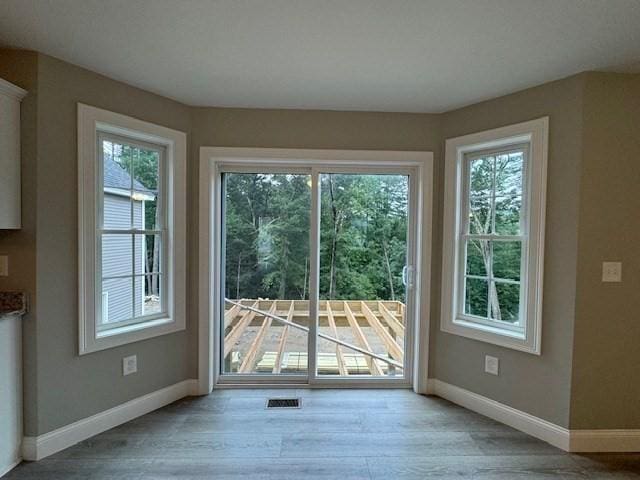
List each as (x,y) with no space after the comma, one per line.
(212,159)
(92,122)
(527,337)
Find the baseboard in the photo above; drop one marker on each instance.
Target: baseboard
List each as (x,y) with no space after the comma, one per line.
(563,438)
(534,426)
(605,441)
(37,448)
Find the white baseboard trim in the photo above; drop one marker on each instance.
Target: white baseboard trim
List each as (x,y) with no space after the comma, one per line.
(565,439)
(37,448)
(534,426)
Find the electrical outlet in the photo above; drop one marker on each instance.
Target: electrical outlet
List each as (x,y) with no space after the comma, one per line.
(491,365)
(129,365)
(611,271)
(4,265)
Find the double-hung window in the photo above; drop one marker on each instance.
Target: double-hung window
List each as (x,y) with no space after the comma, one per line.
(494,235)
(132,231)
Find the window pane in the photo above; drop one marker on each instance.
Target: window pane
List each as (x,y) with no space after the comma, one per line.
(117,255)
(147,254)
(152,290)
(147,204)
(477,252)
(363,250)
(116,165)
(116,209)
(507,260)
(266,255)
(509,174)
(480,215)
(117,185)
(138,211)
(138,296)
(146,181)
(507,304)
(508,215)
(476,294)
(118,293)
(145,170)
(481,177)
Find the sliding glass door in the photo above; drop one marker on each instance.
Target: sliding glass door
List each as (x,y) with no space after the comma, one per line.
(266,272)
(318,261)
(363,253)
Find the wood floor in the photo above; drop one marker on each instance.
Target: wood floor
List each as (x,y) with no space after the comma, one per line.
(337,434)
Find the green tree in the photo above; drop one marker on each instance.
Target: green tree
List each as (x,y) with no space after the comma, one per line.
(363,236)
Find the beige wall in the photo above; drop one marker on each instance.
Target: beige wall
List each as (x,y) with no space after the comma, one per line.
(539,385)
(61,387)
(606,358)
(224,127)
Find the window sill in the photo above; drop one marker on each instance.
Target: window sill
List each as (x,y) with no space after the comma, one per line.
(131,333)
(134,327)
(513,339)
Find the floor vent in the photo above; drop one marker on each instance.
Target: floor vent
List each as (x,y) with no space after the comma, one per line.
(283,403)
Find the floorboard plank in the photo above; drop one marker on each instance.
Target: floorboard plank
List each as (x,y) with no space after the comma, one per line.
(352,434)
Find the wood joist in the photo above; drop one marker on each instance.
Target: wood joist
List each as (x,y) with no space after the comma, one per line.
(372,326)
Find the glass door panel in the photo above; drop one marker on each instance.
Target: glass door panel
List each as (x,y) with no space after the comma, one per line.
(363,255)
(265,251)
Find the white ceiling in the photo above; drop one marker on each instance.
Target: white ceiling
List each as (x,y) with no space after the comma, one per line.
(384,55)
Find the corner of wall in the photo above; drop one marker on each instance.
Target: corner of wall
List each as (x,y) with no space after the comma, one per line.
(604,384)
(458,361)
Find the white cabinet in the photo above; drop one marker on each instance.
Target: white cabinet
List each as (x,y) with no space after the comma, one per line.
(10,98)
(10,391)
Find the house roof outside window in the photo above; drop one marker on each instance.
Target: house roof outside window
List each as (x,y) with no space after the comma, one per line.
(117,181)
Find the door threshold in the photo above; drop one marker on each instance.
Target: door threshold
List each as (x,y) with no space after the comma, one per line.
(319,386)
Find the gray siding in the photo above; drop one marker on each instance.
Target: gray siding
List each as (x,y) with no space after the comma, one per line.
(117,259)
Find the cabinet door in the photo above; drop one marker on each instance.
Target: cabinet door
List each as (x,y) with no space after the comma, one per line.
(10,97)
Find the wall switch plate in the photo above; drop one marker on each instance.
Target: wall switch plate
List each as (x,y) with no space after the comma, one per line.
(4,265)
(611,271)
(129,365)
(491,365)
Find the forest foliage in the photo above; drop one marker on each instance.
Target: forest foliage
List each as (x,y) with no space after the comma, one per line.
(363,236)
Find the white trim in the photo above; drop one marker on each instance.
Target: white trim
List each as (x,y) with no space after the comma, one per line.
(213,159)
(535,134)
(305,157)
(314,278)
(424,231)
(13,91)
(563,438)
(207,347)
(37,448)
(534,426)
(92,120)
